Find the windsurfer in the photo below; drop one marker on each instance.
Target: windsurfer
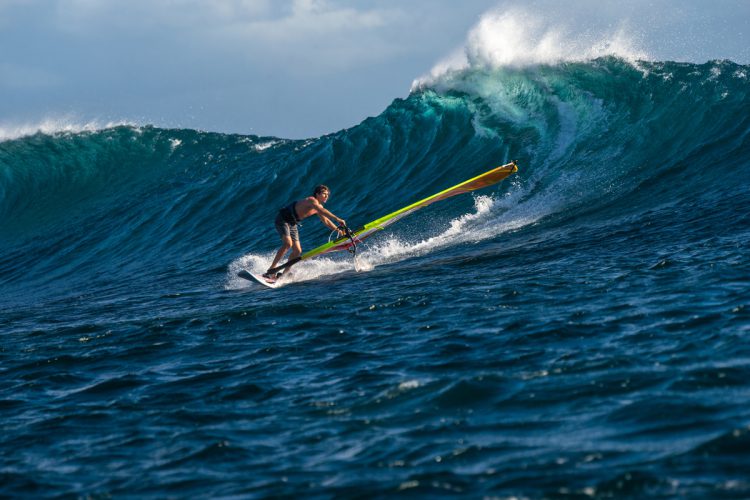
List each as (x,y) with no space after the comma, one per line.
(288,218)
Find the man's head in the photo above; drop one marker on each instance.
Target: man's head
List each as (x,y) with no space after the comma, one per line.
(321,192)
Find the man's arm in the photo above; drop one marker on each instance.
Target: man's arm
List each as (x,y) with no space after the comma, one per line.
(330,225)
(324,214)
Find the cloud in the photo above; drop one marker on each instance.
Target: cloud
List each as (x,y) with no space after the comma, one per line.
(318,34)
(315,18)
(257,19)
(312,34)
(83,17)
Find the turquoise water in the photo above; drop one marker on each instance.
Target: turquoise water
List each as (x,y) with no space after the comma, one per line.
(579,330)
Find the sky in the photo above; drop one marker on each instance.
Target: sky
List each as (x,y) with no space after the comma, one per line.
(305,68)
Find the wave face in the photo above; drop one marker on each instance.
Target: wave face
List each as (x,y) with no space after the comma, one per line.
(529,340)
(601,140)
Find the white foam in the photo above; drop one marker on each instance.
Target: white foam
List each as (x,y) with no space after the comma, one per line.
(408,385)
(520,37)
(260,147)
(304,271)
(51,126)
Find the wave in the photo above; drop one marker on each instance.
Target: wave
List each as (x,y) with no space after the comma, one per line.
(519,37)
(601,140)
(52,126)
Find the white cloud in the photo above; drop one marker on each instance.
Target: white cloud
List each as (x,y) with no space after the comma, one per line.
(314,34)
(83,17)
(273,21)
(308,21)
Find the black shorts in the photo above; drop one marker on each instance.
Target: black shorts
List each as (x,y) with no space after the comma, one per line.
(285,229)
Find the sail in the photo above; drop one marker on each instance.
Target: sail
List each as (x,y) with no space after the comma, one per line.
(481,181)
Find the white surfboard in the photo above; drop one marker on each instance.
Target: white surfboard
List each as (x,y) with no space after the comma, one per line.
(257,278)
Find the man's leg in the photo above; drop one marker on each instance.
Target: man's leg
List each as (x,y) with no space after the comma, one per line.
(296,250)
(286,244)
(296,246)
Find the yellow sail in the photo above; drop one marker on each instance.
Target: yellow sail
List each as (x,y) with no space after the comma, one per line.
(481,181)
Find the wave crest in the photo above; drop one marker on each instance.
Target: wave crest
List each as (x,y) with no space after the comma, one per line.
(518,37)
(52,126)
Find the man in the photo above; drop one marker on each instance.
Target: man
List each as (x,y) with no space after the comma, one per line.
(288,218)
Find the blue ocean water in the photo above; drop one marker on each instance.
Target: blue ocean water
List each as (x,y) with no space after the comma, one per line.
(581,330)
